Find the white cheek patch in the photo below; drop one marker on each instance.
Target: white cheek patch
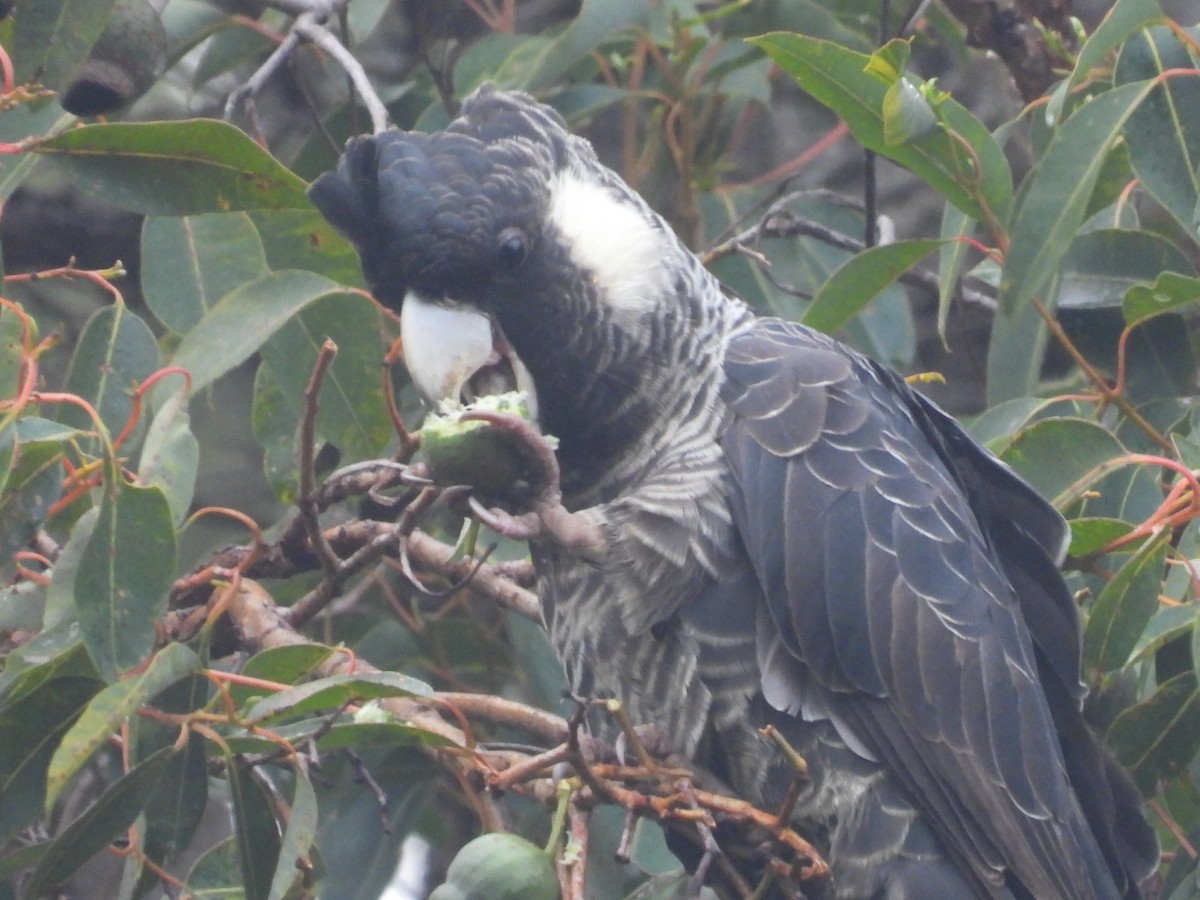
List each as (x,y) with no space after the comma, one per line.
(625,252)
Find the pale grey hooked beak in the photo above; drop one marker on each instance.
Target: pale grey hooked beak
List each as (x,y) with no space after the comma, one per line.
(455,354)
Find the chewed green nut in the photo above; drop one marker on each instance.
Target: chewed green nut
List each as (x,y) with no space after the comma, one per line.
(476,453)
(499,866)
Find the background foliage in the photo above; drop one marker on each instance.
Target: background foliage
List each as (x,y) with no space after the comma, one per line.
(203,695)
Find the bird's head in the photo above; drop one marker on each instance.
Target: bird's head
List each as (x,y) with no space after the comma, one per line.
(518,261)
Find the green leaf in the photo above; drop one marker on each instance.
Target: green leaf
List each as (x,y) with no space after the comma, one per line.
(596,22)
(102,822)
(1163,134)
(109,709)
(191,262)
(370,732)
(335,690)
(51,40)
(9,444)
(33,485)
(359,735)
(56,652)
(257,832)
(17,124)
(663,886)
(34,428)
(1061,454)
(860,279)
(304,239)
(126,571)
(890,61)
(579,102)
(229,49)
(907,115)
(1167,624)
(12,352)
(170,456)
(215,875)
(298,838)
(175,168)
(245,319)
(17,862)
(351,414)
(22,607)
(115,353)
(174,813)
(1169,291)
(1125,18)
(359,852)
(1016,350)
(1090,534)
(32,726)
(1102,265)
(837,77)
(885,329)
(1123,609)
(60,596)
(1057,193)
(951,259)
(282,665)
(1159,737)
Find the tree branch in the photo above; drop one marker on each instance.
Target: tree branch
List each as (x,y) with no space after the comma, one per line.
(1008,29)
(309,25)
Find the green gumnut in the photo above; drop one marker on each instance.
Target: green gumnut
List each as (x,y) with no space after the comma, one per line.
(480,454)
(123,64)
(499,866)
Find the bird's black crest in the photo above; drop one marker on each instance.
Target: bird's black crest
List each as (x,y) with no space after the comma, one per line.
(426,211)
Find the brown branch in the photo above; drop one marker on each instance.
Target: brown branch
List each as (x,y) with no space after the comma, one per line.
(500,711)
(494,581)
(577,818)
(1009,29)
(667,795)
(781,223)
(307,504)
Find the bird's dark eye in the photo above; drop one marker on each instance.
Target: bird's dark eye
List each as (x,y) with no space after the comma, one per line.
(512,247)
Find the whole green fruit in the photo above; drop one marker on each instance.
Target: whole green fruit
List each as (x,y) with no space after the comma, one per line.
(499,866)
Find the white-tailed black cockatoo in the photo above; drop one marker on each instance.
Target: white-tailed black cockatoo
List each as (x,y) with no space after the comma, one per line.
(775,528)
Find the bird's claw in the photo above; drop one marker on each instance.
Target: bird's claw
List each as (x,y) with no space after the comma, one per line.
(547,520)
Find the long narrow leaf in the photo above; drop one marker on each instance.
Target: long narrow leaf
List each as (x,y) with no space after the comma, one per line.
(1058,192)
(1125,17)
(860,279)
(175,168)
(124,574)
(839,78)
(103,821)
(109,709)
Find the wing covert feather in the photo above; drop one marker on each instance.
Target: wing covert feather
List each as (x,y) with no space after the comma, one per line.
(883,586)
